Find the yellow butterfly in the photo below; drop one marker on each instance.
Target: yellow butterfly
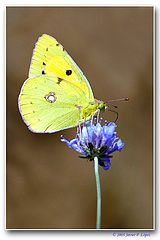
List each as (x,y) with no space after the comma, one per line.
(56,95)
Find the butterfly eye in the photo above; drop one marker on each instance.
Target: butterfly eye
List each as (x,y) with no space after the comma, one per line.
(68,72)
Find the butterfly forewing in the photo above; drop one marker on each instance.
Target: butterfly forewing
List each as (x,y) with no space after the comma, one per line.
(50,58)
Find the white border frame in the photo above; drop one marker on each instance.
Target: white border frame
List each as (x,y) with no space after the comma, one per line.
(155,96)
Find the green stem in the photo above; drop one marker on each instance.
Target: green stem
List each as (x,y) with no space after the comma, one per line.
(98,222)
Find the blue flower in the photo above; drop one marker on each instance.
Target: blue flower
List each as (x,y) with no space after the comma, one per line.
(94,140)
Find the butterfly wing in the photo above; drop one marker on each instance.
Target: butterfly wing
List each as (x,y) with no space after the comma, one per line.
(50,58)
(49,104)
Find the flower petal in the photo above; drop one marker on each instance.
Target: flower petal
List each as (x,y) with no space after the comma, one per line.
(98,131)
(107,163)
(117,146)
(74,144)
(108,133)
(65,140)
(109,129)
(90,132)
(84,135)
(96,140)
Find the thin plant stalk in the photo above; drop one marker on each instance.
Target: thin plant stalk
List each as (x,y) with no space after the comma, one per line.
(98,222)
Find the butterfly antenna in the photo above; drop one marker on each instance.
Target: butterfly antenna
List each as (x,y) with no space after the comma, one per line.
(110,104)
(117,100)
(116,114)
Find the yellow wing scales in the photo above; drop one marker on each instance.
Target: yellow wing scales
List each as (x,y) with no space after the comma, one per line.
(56,95)
(42,115)
(50,58)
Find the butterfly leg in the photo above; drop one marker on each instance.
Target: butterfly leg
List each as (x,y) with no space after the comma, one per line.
(80,133)
(98,113)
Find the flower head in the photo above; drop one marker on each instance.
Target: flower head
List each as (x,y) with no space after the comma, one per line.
(94,140)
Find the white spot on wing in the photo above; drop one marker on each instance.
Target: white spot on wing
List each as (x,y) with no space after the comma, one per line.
(50,97)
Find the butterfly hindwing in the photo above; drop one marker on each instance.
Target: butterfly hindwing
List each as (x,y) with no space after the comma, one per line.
(50,104)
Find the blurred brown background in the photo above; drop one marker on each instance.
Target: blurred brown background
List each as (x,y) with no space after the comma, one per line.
(48,186)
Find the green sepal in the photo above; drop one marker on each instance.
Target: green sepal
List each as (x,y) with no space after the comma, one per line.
(83,156)
(103,149)
(90,145)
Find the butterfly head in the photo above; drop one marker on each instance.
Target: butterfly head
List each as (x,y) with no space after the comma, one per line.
(101,105)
